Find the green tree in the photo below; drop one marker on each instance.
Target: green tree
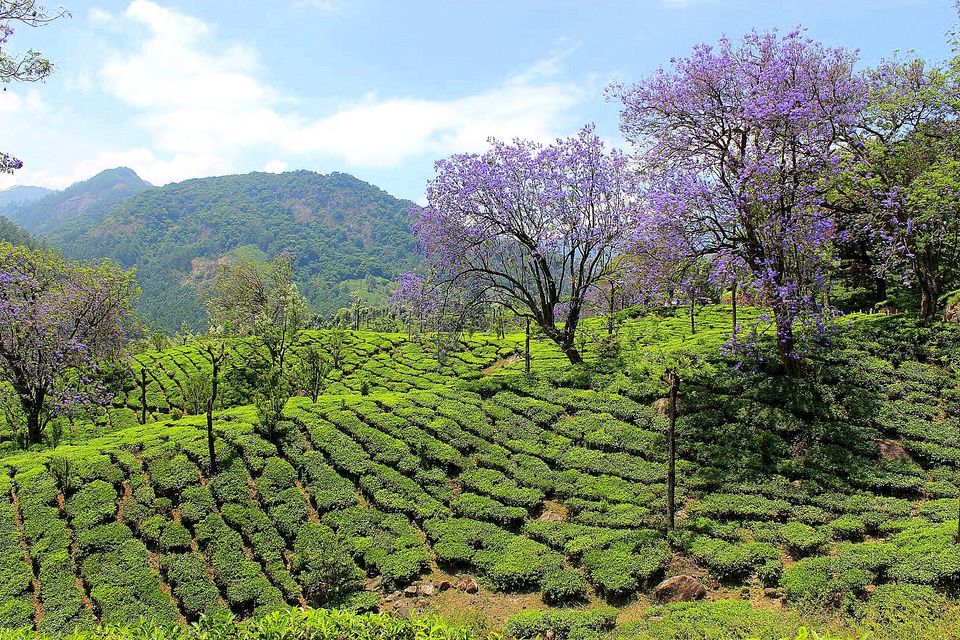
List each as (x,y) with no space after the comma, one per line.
(313,371)
(902,190)
(261,300)
(324,565)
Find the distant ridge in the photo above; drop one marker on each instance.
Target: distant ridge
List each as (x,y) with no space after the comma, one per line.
(80,202)
(19,196)
(348,236)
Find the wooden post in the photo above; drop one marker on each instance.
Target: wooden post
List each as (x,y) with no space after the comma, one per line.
(143,395)
(673,379)
(733,300)
(526,355)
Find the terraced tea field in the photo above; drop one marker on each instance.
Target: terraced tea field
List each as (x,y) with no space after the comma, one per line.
(552,484)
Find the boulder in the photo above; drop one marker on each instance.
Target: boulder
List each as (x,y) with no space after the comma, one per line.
(891,450)
(469,585)
(427,590)
(679,589)
(412,590)
(444,585)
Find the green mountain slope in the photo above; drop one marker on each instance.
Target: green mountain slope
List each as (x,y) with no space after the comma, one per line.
(832,493)
(12,233)
(19,196)
(80,203)
(344,232)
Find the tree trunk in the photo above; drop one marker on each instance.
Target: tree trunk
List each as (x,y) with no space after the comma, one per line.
(215,378)
(526,352)
(673,379)
(693,309)
(786,348)
(928,298)
(572,354)
(143,396)
(34,426)
(733,301)
(880,282)
(610,317)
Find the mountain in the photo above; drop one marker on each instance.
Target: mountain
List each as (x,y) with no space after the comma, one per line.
(346,234)
(81,203)
(17,197)
(10,232)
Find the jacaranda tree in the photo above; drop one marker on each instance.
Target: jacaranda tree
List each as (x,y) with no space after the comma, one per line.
(59,321)
(532,227)
(738,144)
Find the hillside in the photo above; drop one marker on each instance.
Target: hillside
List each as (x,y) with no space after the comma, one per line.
(12,233)
(82,203)
(839,493)
(19,196)
(346,235)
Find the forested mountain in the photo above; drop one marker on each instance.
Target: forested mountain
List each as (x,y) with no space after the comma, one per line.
(82,203)
(10,232)
(347,235)
(19,196)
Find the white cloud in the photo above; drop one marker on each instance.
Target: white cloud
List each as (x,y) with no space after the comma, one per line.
(275,166)
(197,98)
(198,106)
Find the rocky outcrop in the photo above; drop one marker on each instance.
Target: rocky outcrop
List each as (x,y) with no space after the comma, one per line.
(679,589)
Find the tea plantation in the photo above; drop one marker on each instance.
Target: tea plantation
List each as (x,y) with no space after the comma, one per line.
(837,492)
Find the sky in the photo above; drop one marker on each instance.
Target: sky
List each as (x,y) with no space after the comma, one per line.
(178,89)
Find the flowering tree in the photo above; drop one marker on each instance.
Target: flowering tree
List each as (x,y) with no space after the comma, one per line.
(902,188)
(58,321)
(739,144)
(29,67)
(531,227)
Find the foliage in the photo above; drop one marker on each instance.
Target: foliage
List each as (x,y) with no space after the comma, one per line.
(347,235)
(59,321)
(532,227)
(739,144)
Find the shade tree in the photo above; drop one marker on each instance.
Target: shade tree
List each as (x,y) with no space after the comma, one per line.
(531,227)
(60,321)
(738,144)
(901,187)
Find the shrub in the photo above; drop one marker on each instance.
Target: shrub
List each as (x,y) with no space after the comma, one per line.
(564,624)
(324,565)
(801,539)
(563,587)
(848,527)
(736,562)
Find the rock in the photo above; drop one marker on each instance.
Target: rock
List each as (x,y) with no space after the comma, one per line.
(679,589)
(396,595)
(470,585)
(444,585)
(952,312)
(772,593)
(891,450)
(375,585)
(412,590)
(426,590)
(549,635)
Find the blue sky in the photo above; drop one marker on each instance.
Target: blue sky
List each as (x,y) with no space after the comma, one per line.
(177,89)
